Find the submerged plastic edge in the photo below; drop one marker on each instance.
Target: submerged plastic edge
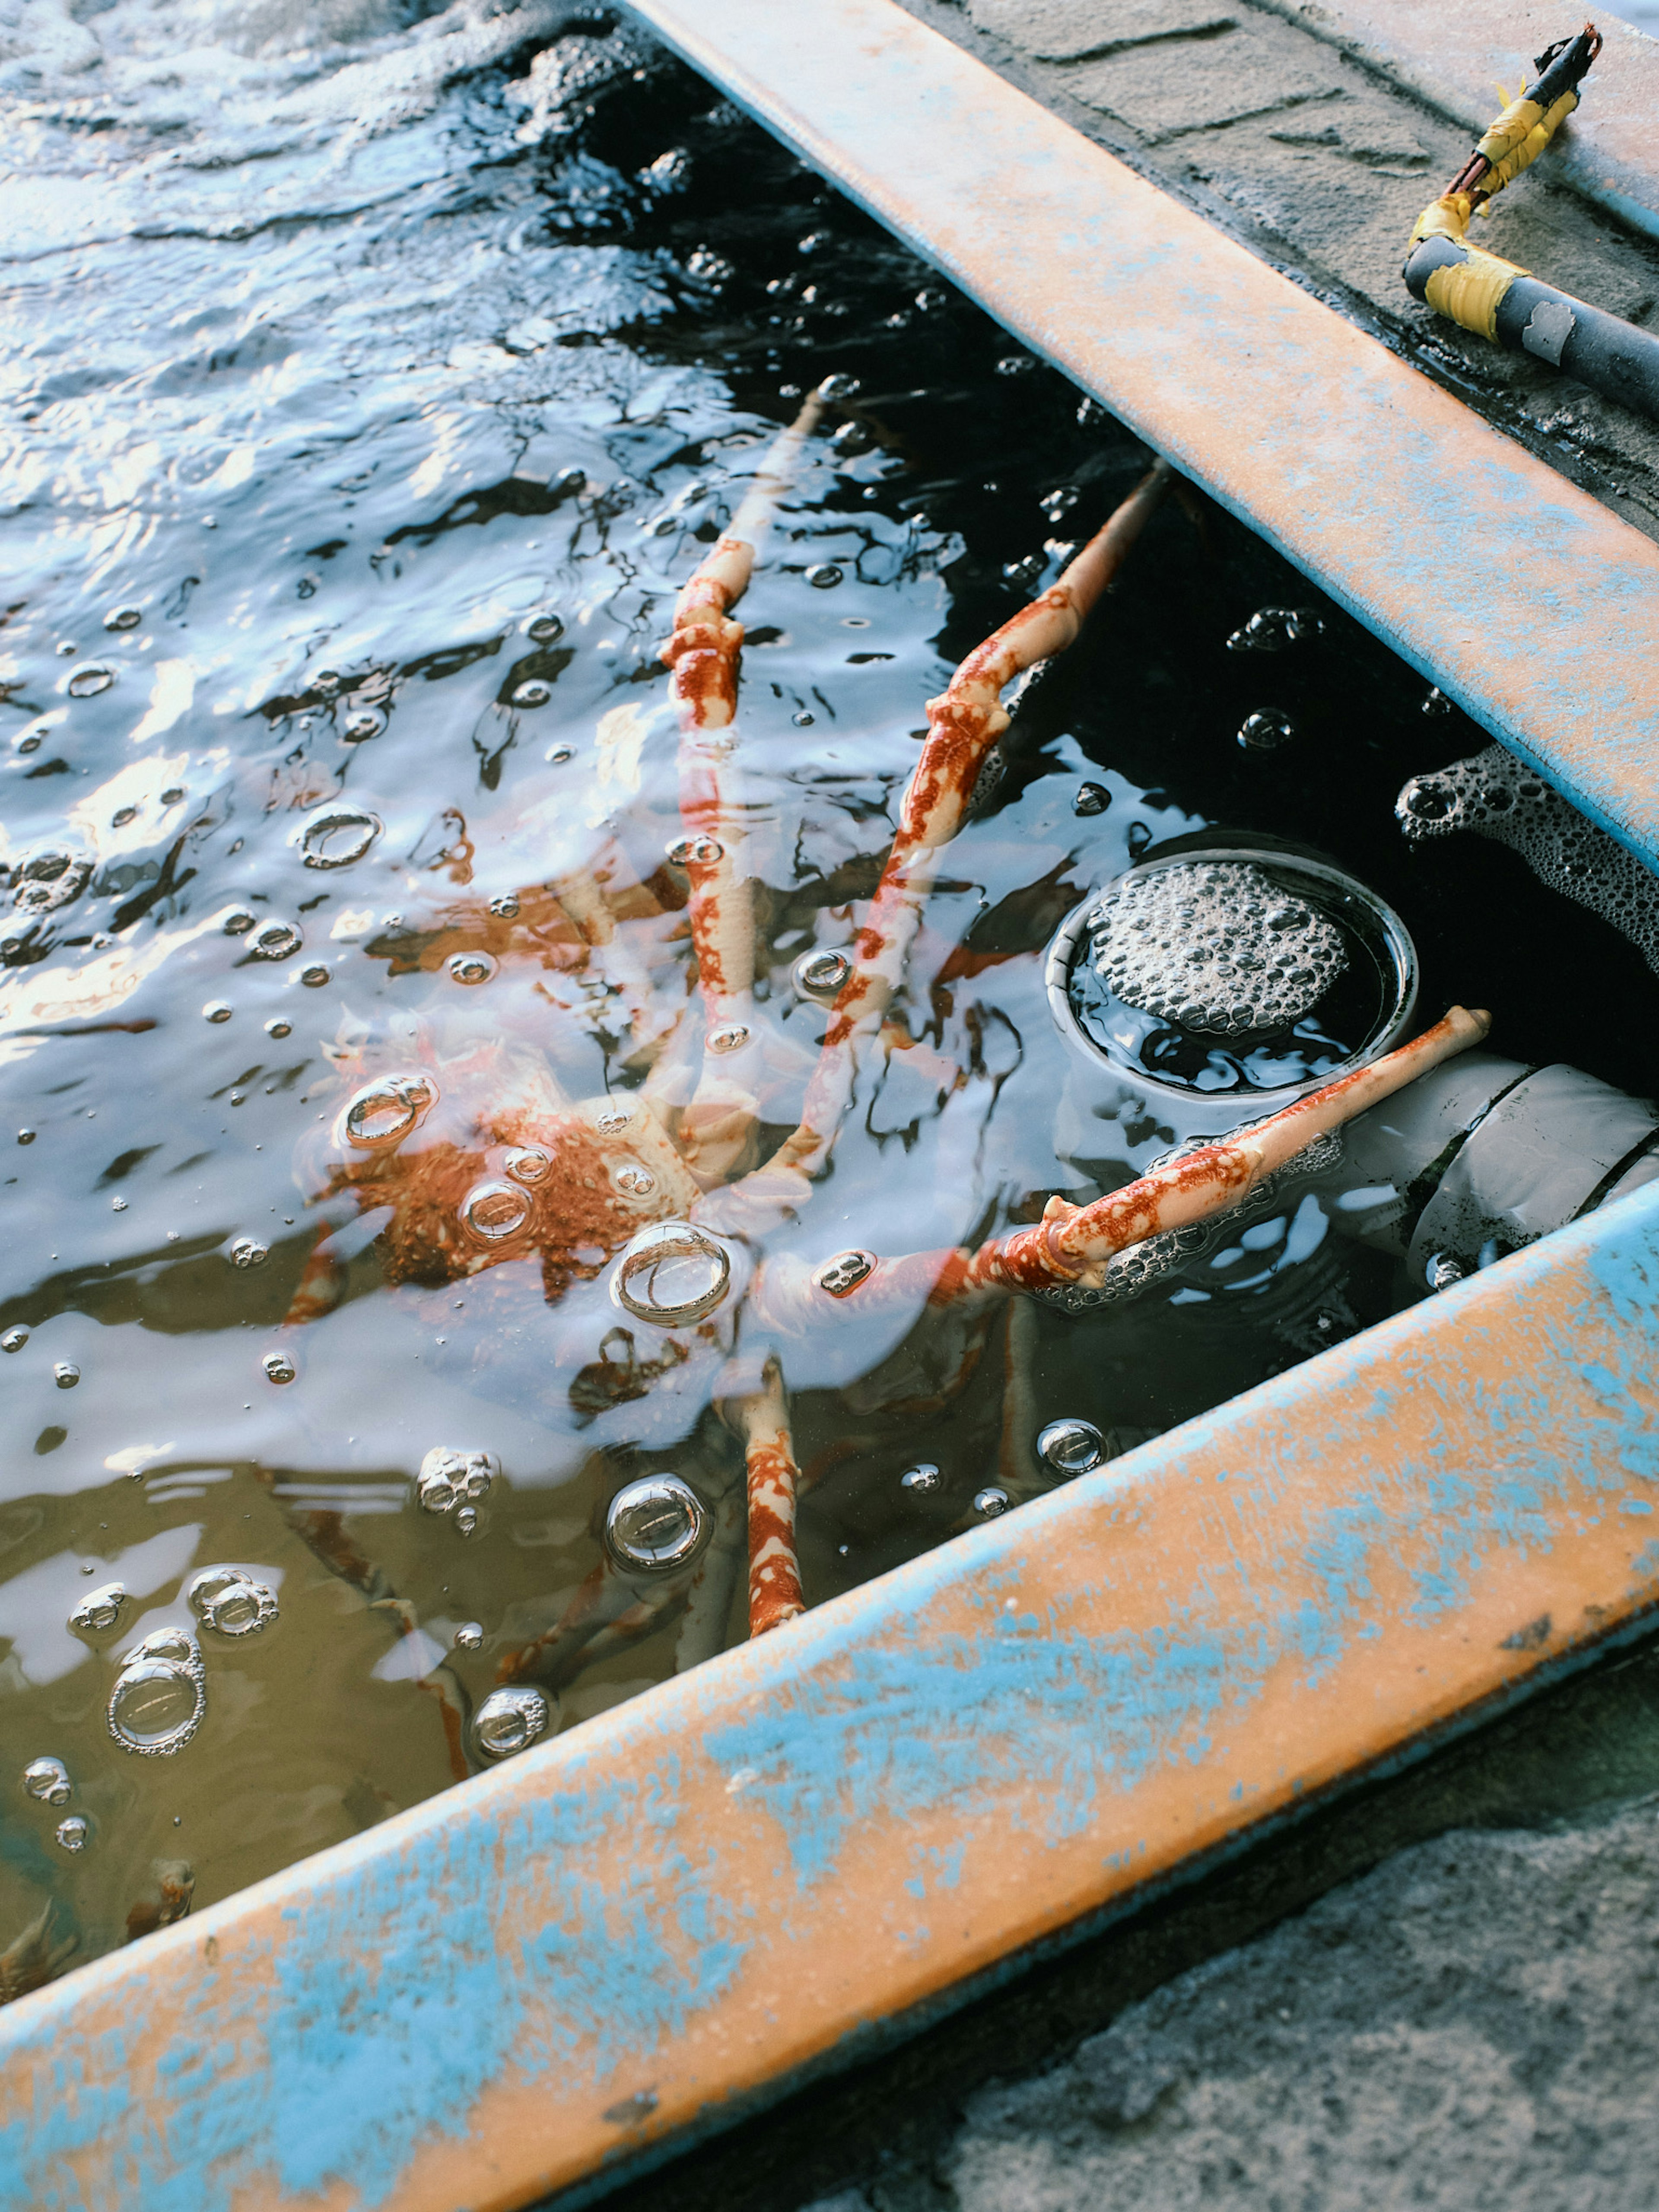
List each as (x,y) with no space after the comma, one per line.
(663,1918)
(1527,602)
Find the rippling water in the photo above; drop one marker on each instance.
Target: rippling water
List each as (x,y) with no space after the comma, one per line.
(373,383)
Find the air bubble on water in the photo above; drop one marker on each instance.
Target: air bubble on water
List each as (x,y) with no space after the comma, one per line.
(839,386)
(493,1211)
(238,921)
(99,1610)
(821,974)
(71,1834)
(656,1524)
(314,977)
(13,1339)
(921,1480)
(672,1273)
(1435,700)
(159,1695)
(276,1027)
(448,1480)
(65,1373)
(1208,945)
(534,691)
(1494,795)
(470,1636)
(26,1136)
(87,682)
(505,907)
(121,618)
(633,1179)
(122,815)
(275,941)
(278,1367)
(230,1602)
(731,1037)
(1071,1447)
(1442,1271)
(217,1010)
(558,755)
(326,682)
(613,1120)
(334,837)
(528,1164)
(384,1111)
(1266,732)
(248,1252)
(1271,629)
(1090,799)
(701,852)
(509,1722)
(1015,364)
(366,722)
(466,1519)
(991,1501)
(470,967)
(824,575)
(120,1204)
(47,1781)
(544,629)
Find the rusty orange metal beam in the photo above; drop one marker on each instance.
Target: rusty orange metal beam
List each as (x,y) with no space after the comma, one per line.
(1525,600)
(648,1925)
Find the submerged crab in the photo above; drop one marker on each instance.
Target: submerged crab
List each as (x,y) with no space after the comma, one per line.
(648,1213)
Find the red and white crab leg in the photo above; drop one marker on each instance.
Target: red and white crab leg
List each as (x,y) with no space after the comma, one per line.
(1072,1244)
(963,724)
(702,654)
(773,1479)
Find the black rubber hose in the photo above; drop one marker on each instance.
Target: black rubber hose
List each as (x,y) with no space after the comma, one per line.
(1611,356)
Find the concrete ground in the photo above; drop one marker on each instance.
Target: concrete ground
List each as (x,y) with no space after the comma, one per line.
(1321,162)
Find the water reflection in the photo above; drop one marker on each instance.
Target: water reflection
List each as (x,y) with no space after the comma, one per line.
(376,552)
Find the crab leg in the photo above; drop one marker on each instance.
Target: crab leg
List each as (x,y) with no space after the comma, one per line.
(963,724)
(763,1421)
(704,654)
(1071,1244)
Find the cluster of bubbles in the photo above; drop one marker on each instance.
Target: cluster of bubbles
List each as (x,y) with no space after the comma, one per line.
(655,1524)
(1499,797)
(230,1602)
(47,1781)
(1270,629)
(510,1721)
(672,1273)
(160,1697)
(384,1112)
(1216,946)
(455,1482)
(51,879)
(99,1610)
(248,1252)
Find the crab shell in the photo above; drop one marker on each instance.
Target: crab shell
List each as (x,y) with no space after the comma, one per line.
(611,1169)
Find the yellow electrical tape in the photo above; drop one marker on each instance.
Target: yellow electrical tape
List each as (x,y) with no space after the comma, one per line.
(1469,291)
(1520,153)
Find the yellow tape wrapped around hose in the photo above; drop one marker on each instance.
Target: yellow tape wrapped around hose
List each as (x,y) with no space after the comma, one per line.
(1469,291)
(1510,148)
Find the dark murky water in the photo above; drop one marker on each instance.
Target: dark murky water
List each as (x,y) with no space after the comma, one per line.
(369,401)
